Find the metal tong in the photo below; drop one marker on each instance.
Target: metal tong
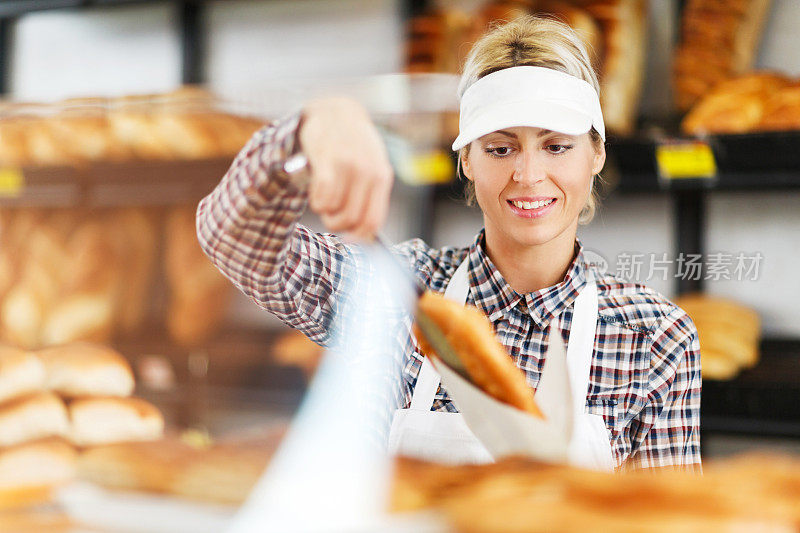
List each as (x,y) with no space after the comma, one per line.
(433,333)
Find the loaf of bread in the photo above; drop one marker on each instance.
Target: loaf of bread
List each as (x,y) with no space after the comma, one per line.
(32,417)
(781,109)
(198,293)
(719,40)
(729,334)
(736,105)
(622,61)
(185,123)
(96,421)
(86,369)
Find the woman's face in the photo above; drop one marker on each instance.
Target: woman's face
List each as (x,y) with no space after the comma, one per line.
(531,183)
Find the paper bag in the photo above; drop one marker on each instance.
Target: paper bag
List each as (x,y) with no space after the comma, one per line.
(506,430)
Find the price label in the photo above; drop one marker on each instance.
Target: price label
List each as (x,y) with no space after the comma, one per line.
(686,159)
(11,182)
(426,168)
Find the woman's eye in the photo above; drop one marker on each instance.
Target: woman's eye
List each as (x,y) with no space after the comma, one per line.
(558,148)
(499,151)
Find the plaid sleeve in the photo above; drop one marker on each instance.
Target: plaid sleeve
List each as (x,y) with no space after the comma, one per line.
(248,228)
(668,432)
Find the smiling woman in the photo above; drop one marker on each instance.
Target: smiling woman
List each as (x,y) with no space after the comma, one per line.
(531,142)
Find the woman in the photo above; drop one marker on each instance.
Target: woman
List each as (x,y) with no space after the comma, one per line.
(530,143)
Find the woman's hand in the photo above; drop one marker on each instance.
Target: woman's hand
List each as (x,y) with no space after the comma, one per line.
(351,176)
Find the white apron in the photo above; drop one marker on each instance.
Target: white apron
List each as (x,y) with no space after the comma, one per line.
(446,438)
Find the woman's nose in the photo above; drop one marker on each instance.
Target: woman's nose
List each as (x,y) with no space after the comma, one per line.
(529,168)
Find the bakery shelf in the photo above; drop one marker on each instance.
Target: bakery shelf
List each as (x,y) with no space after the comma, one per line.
(112,184)
(752,161)
(761,400)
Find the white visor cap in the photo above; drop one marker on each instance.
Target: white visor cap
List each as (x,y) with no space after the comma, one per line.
(528,96)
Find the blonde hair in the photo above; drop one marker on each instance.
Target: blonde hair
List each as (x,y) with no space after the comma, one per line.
(538,42)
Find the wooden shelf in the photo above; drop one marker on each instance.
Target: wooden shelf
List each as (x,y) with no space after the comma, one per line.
(115,184)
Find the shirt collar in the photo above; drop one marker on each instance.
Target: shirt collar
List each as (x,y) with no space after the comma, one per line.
(492,294)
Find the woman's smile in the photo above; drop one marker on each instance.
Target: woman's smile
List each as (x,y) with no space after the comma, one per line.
(527,207)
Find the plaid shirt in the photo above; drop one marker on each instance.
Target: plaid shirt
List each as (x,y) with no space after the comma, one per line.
(645,373)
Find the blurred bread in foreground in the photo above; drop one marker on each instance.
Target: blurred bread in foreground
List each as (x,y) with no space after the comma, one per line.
(97,421)
(86,369)
(748,493)
(224,472)
(29,472)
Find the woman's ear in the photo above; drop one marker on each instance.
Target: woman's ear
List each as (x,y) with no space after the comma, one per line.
(599,159)
(466,168)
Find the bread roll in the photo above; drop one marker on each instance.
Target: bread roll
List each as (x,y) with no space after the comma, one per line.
(81,369)
(32,417)
(21,373)
(29,471)
(97,421)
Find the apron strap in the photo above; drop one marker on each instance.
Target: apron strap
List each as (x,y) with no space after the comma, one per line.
(581,343)
(428,379)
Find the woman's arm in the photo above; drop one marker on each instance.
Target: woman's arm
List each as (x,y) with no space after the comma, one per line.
(669,425)
(248,224)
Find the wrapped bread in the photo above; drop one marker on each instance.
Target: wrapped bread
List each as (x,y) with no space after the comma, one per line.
(472,338)
(86,369)
(32,417)
(29,472)
(21,373)
(96,421)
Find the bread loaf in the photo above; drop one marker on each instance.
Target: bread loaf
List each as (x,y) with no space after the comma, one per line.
(718,41)
(81,369)
(21,373)
(97,421)
(32,417)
